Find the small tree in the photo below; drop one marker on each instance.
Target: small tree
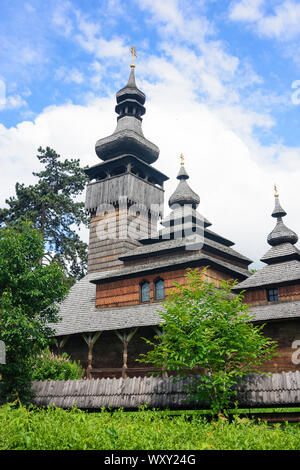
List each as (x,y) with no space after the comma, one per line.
(208,331)
(29,293)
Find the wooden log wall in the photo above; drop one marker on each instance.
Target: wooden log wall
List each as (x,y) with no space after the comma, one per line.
(286,333)
(285,293)
(127,291)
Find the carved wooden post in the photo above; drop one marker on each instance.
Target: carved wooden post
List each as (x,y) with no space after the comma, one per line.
(161,333)
(60,342)
(125,338)
(90,340)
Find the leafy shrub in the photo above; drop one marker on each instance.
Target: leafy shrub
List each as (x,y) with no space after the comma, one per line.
(49,366)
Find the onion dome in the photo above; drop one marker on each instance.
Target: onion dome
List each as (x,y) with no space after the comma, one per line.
(282,239)
(128,137)
(183,194)
(281,233)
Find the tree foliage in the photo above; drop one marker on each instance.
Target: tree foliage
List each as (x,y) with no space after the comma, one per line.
(29,294)
(207,331)
(51,207)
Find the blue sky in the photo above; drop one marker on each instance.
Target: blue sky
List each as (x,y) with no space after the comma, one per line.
(222,80)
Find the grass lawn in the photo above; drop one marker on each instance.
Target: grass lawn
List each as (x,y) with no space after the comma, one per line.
(57,429)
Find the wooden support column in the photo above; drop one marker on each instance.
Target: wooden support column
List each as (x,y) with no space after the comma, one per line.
(125,337)
(90,340)
(60,342)
(160,333)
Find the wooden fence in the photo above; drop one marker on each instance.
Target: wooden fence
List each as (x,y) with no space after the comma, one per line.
(254,391)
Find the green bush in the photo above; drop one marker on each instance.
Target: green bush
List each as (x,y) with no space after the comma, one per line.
(57,429)
(49,366)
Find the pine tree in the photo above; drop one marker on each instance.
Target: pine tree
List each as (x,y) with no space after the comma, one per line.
(51,207)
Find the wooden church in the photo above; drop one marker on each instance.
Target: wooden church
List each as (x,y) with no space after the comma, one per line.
(133,264)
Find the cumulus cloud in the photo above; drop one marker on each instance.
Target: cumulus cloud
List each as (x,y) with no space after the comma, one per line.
(195,105)
(282,24)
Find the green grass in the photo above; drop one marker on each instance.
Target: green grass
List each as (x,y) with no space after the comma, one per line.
(57,429)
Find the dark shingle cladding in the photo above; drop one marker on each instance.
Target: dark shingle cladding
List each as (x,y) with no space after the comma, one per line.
(283,259)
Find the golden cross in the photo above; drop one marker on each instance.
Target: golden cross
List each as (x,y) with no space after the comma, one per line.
(182,159)
(133,52)
(276,192)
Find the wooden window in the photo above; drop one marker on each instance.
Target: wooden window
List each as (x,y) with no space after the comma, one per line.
(145,291)
(159,289)
(272,295)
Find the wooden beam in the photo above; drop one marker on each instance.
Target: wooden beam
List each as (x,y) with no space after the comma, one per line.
(60,343)
(90,340)
(125,338)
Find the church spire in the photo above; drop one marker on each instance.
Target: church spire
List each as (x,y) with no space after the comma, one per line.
(282,239)
(281,233)
(128,137)
(183,194)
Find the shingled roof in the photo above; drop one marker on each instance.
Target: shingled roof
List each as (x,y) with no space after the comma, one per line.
(173,262)
(276,311)
(79,314)
(172,245)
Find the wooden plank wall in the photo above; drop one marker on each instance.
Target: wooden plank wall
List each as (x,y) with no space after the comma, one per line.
(285,293)
(127,291)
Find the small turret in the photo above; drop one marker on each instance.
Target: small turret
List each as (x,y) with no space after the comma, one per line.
(281,233)
(183,194)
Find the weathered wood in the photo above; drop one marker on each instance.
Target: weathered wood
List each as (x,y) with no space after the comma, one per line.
(125,337)
(254,390)
(133,188)
(90,340)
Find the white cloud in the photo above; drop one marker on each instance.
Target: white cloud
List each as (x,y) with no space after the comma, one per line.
(282,24)
(195,106)
(246,10)
(232,173)
(177,19)
(12,102)
(61,19)
(71,75)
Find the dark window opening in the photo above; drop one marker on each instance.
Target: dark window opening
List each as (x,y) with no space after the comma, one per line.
(145,291)
(272,295)
(159,289)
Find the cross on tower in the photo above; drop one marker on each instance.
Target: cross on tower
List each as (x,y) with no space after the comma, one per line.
(133,52)
(182,159)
